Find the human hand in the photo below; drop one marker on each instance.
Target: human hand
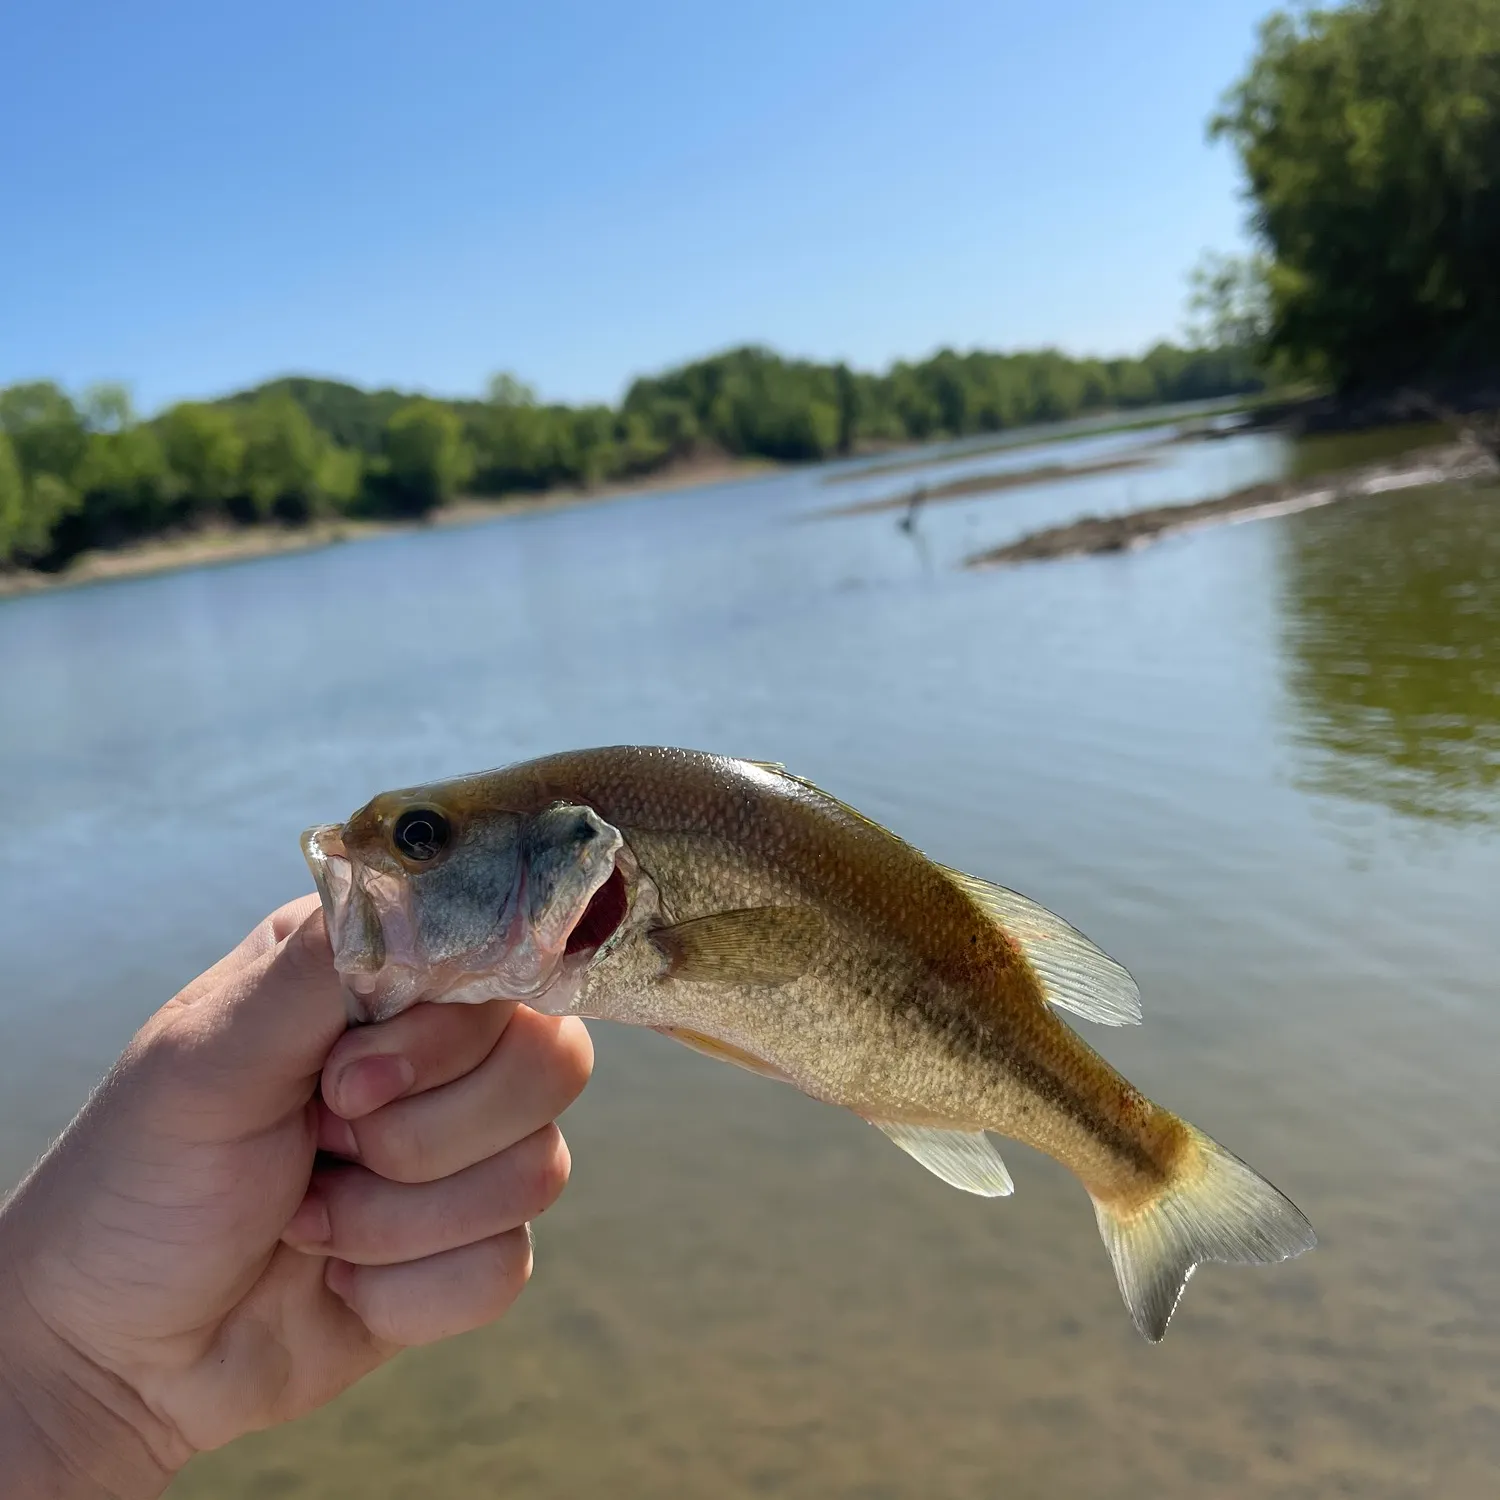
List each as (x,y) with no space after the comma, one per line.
(184,1267)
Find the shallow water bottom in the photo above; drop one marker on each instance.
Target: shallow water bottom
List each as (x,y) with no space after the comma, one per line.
(1260,765)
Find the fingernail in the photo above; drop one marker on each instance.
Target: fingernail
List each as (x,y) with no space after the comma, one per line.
(370,1082)
(309,1228)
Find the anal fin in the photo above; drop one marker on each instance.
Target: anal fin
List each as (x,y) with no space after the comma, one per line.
(964,1159)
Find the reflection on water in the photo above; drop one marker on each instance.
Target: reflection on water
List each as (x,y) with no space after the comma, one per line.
(743,1292)
(1323,452)
(1391,628)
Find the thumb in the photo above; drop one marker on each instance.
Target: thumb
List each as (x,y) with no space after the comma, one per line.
(250,1036)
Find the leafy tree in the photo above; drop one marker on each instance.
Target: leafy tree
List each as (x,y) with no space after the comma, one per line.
(342,413)
(340,477)
(29,511)
(107,407)
(427,456)
(44,426)
(1370,137)
(89,475)
(15,518)
(283,461)
(506,389)
(125,485)
(205,452)
(1230,302)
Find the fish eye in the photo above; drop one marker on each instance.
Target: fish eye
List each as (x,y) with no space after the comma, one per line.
(421,833)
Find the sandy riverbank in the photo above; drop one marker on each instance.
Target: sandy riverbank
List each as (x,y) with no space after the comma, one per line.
(209,546)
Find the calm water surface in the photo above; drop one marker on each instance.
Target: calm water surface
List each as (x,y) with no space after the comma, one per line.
(1261,764)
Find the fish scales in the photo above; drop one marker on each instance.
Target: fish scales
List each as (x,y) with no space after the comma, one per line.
(751,916)
(757,842)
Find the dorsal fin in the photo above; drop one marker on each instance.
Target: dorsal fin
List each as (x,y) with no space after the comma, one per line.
(1076,974)
(777,769)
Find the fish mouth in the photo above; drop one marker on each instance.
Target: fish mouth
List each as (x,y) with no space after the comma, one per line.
(356,933)
(376,954)
(333,874)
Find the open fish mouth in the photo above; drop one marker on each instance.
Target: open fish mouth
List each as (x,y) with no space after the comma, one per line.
(540,947)
(333,874)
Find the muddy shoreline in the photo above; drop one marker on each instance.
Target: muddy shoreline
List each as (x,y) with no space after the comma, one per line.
(1447,463)
(214,545)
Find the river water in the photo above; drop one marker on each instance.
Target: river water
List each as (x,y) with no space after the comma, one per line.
(1259,763)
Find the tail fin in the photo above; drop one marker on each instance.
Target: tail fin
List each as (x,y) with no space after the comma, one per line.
(1215,1208)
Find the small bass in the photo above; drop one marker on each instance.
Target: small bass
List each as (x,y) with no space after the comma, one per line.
(749,915)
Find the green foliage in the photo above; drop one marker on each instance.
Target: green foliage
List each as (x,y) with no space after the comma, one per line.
(1370,136)
(340,477)
(12,499)
(344,414)
(1230,302)
(205,451)
(426,456)
(29,510)
(750,401)
(18,531)
(74,477)
(107,407)
(285,461)
(506,389)
(125,485)
(44,426)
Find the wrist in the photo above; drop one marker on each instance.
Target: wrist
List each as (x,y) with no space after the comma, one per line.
(68,1430)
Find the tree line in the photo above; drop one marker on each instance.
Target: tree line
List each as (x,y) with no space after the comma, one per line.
(84,473)
(1370,139)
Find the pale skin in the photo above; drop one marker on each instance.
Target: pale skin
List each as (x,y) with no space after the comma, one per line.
(259,1207)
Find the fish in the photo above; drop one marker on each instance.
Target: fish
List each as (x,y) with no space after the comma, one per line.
(749,915)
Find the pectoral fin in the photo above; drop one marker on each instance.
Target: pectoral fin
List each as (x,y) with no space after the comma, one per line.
(755,945)
(962,1158)
(1075,974)
(723,1052)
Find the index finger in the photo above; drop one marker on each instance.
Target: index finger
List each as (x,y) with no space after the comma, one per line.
(419,1049)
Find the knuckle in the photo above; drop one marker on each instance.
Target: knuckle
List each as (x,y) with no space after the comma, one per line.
(572,1060)
(381,1314)
(396,1148)
(547,1169)
(513,1262)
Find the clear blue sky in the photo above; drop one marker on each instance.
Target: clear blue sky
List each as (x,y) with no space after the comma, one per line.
(197,197)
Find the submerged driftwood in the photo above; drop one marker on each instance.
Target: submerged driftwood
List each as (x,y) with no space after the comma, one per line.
(1445,464)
